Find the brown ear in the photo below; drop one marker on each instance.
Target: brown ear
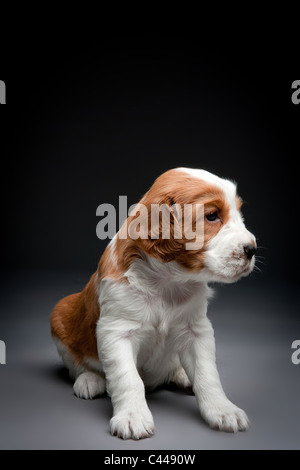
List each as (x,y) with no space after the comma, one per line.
(162,240)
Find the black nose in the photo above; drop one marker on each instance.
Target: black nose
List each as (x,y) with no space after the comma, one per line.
(250,251)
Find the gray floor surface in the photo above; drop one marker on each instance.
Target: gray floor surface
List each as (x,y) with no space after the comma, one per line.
(255,324)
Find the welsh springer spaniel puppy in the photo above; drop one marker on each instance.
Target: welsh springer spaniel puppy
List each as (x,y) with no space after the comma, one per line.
(141,320)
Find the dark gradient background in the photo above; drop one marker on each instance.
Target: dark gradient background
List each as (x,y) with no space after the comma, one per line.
(86,123)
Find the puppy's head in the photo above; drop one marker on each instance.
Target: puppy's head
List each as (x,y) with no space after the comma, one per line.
(227,248)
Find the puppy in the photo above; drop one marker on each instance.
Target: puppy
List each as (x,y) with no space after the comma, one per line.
(141,320)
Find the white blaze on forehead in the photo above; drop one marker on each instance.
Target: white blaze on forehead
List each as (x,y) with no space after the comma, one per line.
(227,186)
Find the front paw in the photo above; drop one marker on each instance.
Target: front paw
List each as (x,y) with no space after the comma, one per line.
(225,416)
(132,424)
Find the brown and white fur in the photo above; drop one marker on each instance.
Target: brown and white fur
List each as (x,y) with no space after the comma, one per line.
(141,320)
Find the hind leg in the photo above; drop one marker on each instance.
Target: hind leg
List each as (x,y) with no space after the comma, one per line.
(179,378)
(88,383)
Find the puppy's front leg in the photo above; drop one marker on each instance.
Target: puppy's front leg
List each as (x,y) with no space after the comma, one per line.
(132,418)
(198,360)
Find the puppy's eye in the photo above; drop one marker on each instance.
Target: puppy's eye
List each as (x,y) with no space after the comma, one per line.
(212,216)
